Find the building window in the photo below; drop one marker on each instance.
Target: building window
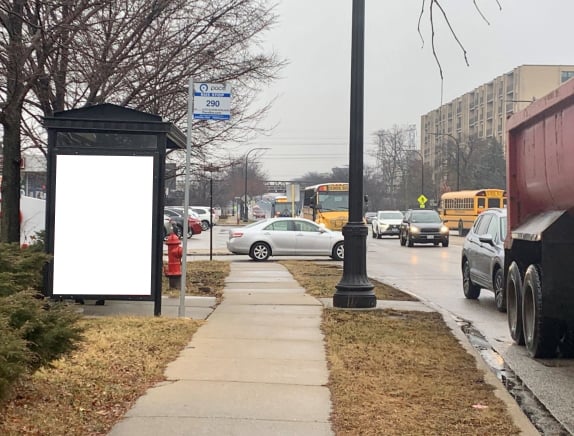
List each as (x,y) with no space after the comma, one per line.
(565,75)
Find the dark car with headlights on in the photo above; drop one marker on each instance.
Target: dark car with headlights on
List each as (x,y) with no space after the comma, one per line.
(482,260)
(423,227)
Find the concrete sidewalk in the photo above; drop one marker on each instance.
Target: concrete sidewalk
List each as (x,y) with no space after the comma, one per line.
(257,367)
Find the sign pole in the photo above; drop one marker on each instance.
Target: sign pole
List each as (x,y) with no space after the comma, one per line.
(181,310)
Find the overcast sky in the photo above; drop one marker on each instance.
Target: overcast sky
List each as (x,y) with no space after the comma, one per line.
(402,81)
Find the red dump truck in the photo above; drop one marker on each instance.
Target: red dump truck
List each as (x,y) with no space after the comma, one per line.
(539,247)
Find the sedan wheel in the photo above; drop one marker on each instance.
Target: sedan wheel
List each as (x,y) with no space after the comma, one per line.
(338,251)
(205,226)
(471,291)
(499,295)
(260,251)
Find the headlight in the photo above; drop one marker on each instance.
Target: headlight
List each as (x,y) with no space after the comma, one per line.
(444,230)
(415,229)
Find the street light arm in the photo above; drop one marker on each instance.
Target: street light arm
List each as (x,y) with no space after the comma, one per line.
(245,218)
(422,169)
(457,142)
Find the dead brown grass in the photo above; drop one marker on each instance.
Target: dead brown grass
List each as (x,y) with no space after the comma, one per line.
(319,279)
(86,393)
(404,373)
(204,278)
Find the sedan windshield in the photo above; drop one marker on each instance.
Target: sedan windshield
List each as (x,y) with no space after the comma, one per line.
(420,217)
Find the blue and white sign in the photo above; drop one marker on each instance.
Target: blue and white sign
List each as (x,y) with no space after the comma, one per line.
(211,101)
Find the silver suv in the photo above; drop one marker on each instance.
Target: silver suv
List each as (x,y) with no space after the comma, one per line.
(482,260)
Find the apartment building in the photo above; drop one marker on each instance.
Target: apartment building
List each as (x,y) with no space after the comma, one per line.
(483,111)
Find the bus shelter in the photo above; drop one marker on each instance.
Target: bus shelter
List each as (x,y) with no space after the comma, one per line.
(104,203)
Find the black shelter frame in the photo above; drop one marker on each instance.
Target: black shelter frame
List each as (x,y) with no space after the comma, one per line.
(111,130)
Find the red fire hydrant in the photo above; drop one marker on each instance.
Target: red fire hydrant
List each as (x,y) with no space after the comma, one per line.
(174,255)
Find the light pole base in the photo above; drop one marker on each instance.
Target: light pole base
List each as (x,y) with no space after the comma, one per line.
(355,299)
(355,290)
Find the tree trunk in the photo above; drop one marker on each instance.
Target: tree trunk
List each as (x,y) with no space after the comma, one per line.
(10,222)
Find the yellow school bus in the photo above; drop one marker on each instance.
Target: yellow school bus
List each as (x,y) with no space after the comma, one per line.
(459,209)
(327,204)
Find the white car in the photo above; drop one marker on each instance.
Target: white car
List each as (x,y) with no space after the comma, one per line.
(285,237)
(387,222)
(202,213)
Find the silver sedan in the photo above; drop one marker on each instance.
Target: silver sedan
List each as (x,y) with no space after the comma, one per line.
(285,237)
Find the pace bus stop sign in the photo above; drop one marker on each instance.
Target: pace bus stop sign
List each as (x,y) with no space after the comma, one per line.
(211,101)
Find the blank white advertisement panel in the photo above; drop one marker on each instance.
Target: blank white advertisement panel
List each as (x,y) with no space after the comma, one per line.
(103,225)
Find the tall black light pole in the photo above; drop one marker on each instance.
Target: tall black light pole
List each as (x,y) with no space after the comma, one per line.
(354,290)
(211,169)
(457,142)
(245,213)
(422,170)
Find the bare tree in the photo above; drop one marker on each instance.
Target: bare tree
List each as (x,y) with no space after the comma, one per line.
(26,26)
(138,53)
(391,160)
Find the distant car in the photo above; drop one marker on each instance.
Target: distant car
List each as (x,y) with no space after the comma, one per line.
(423,227)
(203,214)
(386,222)
(285,237)
(370,216)
(194,223)
(483,257)
(169,226)
(257,212)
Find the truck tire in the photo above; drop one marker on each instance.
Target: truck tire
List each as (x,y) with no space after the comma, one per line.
(514,303)
(471,291)
(540,331)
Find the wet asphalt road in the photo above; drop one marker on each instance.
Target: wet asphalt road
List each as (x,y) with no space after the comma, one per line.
(433,274)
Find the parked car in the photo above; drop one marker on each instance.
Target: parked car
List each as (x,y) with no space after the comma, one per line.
(194,223)
(169,226)
(483,257)
(285,237)
(370,216)
(423,227)
(386,222)
(203,214)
